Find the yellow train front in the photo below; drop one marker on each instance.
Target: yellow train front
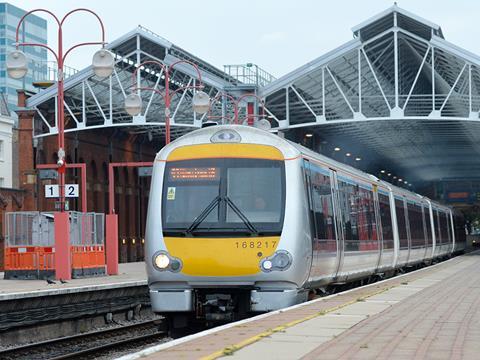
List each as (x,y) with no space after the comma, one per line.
(218,244)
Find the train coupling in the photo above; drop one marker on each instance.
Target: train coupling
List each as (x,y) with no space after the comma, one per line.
(218,307)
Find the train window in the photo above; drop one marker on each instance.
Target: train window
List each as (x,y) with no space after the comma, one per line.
(358,217)
(436,222)
(321,193)
(401,223)
(223,196)
(444,233)
(449,228)
(255,192)
(386,217)
(415,220)
(428,225)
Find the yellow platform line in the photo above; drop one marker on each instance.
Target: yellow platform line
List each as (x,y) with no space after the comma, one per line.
(229,350)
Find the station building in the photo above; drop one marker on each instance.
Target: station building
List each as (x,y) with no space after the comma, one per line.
(398,101)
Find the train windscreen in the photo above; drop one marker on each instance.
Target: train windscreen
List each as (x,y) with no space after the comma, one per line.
(208,197)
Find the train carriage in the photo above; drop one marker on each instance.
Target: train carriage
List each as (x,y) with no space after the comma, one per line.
(241,220)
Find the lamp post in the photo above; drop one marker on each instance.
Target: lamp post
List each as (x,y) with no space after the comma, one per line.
(200,101)
(222,117)
(263,123)
(244,96)
(17,68)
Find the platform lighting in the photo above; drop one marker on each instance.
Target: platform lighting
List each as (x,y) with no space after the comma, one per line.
(17,64)
(17,68)
(337,149)
(400,180)
(103,63)
(358,158)
(382,171)
(394,177)
(348,154)
(309,135)
(389,174)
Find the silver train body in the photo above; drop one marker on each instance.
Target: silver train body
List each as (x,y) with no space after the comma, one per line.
(241,220)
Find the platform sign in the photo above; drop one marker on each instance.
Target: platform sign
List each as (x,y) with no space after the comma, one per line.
(48,174)
(71,190)
(52,191)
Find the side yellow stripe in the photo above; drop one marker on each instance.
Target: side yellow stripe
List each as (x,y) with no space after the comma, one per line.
(229,350)
(203,151)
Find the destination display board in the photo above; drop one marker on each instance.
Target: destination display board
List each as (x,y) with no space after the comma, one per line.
(194,174)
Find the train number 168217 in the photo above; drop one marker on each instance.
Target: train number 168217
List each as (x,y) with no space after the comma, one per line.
(255,244)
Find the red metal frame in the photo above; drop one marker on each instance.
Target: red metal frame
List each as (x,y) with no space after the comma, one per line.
(111,230)
(111,180)
(167,97)
(83,172)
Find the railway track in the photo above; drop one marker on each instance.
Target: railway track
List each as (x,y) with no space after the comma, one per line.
(89,345)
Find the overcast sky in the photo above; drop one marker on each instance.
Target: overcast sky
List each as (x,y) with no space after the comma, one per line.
(277,35)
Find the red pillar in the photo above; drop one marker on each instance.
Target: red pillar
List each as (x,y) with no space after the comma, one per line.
(111,232)
(63,266)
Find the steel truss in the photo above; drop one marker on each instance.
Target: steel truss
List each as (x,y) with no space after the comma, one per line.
(92,103)
(397,82)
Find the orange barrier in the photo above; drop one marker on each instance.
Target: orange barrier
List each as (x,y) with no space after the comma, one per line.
(84,257)
(24,260)
(29,258)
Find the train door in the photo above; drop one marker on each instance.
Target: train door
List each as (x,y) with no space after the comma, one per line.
(378,225)
(338,223)
(313,226)
(322,215)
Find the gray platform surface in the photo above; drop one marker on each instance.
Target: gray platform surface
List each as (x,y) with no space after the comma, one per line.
(130,274)
(432,313)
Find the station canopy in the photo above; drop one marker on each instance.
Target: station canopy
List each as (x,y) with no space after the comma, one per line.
(398,96)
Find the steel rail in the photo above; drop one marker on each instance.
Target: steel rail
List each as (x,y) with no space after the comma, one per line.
(52,346)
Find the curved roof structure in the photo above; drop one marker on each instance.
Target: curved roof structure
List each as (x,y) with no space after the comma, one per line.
(398,94)
(92,103)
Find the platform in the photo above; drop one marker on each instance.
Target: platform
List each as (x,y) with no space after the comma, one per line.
(431,313)
(129,274)
(35,309)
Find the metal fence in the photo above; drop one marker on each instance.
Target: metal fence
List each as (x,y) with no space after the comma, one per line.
(33,228)
(29,228)
(86,228)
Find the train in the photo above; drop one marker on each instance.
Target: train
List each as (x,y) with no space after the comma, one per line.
(241,221)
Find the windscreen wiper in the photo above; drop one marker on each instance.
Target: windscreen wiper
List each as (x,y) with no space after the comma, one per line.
(203,215)
(241,215)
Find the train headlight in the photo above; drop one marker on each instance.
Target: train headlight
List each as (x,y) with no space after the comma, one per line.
(162,261)
(267,265)
(279,261)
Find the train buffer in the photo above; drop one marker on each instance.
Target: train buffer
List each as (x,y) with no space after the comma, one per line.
(429,313)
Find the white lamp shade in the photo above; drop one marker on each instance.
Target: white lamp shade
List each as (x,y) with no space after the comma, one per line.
(17,64)
(201,102)
(103,63)
(133,104)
